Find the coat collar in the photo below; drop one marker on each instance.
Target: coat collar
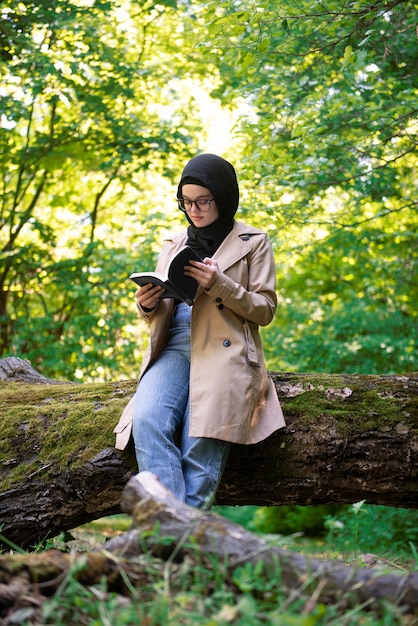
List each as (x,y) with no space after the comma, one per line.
(233,248)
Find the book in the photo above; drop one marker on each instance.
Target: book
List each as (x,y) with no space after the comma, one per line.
(176,284)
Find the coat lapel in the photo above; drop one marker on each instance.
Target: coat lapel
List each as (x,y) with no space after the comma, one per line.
(235,245)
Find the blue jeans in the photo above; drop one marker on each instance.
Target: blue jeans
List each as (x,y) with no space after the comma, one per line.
(191,467)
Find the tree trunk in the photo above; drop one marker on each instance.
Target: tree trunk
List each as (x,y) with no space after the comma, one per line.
(187,532)
(348,438)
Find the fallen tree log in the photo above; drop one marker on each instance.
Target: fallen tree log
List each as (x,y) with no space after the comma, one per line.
(348,438)
(187,532)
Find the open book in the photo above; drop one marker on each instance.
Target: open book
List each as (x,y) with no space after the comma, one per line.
(176,284)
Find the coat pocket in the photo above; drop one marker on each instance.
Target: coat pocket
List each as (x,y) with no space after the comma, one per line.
(252,355)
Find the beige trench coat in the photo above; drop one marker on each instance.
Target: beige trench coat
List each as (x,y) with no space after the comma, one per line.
(231,396)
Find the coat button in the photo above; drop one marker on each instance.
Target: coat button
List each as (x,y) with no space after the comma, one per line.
(227,343)
(218,300)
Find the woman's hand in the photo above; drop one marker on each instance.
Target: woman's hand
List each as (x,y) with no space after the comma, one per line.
(147,296)
(204,272)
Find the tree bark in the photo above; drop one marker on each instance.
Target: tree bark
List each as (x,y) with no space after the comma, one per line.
(13,369)
(347,438)
(187,532)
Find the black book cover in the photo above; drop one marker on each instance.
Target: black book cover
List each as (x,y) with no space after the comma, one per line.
(176,284)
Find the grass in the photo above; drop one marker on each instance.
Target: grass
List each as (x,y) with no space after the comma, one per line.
(201,591)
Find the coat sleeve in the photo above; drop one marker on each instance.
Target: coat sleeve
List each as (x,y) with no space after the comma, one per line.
(257,300)
(163,263)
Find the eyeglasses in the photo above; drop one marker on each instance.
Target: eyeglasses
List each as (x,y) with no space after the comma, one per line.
(186,205)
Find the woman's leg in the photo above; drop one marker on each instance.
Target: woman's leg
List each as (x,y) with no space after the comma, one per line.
(160,403)
(161,409)
(203,461)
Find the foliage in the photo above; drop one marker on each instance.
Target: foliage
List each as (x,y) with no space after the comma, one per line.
(330,159)
(243,515)
(308,520)
(283,520)
(100,105)
(378,529)
(346,529)
(90,126)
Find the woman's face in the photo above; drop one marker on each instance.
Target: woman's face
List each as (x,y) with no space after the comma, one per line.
(200,218)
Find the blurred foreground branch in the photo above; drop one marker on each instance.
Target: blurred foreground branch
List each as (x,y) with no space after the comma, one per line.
(171,531)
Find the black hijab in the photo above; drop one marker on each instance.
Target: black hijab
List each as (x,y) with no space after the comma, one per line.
(217,175)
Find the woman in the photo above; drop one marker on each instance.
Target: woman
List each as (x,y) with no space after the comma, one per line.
(203,383)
